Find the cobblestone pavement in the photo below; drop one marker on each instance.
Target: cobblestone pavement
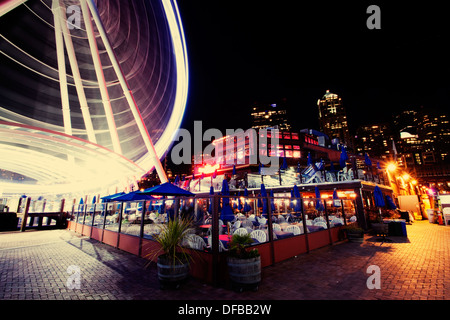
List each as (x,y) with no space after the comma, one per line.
(34,266)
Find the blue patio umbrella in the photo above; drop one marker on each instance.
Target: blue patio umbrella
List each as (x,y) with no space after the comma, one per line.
(292,199)
(81,201)
(264,199)
(211,192)
(378,165)
(309,159)
(167,189)
(335,197)
(284,164)
(133,196)
(94,199)
(367,160)
(227,212)
(108,198)
(319,204)
(379,199)
(239,201)
(272,204)
(234,170)
(298,205)
(259,201)
(378,196)
(177,180)
(247,207)
(390,203)
(343,158)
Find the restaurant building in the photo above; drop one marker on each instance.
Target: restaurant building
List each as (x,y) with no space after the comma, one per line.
(304,159)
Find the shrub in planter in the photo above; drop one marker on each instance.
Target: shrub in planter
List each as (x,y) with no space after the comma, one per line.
(354,233)
(173,260)
(244,263)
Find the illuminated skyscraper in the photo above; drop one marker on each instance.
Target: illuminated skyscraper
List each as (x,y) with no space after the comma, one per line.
(270,116)
(333,119)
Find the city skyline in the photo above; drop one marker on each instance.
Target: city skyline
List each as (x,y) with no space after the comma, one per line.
(250,53)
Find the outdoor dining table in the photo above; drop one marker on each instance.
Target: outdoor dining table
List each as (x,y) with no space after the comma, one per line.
(282,234)
(315,228)
(224,238)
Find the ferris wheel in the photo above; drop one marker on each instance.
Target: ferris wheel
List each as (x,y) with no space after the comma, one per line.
(92,92)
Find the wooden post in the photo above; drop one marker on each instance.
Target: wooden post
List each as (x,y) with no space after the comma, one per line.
(344,216)
(359,206)
(25,215)
(215,239)
(305,227)
(270,230)
(328,222)
(141,231)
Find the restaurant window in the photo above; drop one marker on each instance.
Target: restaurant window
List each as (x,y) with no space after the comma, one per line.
(155,217)
(286,135)
(287,221)
(131,218)
(289,153)
(80,215)
(99,215)
(89,214)
(350,211)
(296,154)
(314,215)
(294,136)
(112,216)
(334,211)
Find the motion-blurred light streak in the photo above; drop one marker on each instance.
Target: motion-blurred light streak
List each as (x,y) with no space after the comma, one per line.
(67,122)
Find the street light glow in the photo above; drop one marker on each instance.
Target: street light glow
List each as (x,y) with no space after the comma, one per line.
(391,167)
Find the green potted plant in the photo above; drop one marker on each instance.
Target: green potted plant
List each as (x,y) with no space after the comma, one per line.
(173,260)
(354,233)
(244,263)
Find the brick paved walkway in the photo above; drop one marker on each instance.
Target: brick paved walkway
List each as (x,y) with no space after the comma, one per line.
(34,264)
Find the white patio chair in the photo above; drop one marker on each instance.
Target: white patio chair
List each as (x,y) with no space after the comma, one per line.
(276,226)
(241,231)
(261,220)
(196,242)
(319,219)
(294,229)
(320,224)
(258,235)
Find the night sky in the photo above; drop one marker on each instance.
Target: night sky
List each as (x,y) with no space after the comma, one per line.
(245,51)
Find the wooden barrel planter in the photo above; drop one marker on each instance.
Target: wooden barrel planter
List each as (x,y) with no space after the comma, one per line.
(244,272)
(354,234)
(171,274)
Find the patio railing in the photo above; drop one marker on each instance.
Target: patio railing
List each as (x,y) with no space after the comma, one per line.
(281,227)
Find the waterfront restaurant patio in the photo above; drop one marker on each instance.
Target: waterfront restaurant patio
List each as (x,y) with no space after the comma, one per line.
(282,227)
